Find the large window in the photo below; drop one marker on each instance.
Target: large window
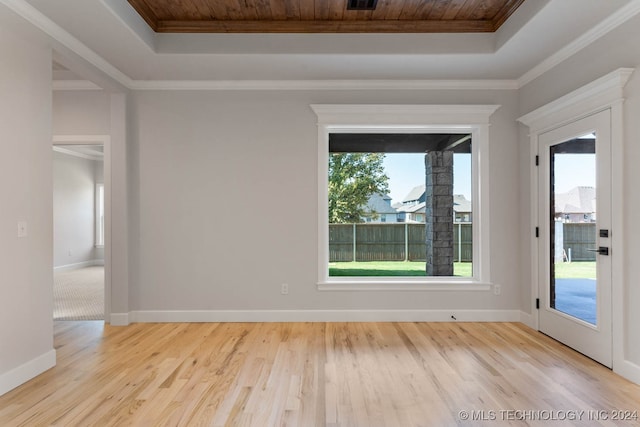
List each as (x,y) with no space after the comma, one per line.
(422,182)
(403,199)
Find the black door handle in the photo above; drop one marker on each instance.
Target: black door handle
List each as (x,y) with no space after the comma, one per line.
(602,250)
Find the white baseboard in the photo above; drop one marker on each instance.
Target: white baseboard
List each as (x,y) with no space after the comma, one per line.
(528,319)
(79,265)
(145,316)
(628,370)
(27,371)
(119,319)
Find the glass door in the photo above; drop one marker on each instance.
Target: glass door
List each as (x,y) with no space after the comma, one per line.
(575,213)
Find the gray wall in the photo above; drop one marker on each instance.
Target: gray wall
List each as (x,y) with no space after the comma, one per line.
(205,160)
(74,180)
(26,339)
(81,112)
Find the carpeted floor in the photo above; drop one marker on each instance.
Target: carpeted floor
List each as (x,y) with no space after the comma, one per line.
(79,294)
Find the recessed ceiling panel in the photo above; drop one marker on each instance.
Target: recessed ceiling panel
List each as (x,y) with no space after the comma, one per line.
(325,16)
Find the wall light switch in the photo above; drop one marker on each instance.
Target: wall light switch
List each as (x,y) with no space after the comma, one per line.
(22,228)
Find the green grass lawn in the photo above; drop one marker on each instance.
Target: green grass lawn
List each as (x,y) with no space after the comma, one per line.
(576,270)
(390,268)
(565,270)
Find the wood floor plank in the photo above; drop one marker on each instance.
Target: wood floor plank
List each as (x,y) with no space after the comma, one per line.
(311,374)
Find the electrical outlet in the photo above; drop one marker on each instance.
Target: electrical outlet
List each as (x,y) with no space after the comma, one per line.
(22,229)
(284,289)
(496,289)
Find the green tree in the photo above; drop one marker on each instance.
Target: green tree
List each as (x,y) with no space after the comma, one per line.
(353,178)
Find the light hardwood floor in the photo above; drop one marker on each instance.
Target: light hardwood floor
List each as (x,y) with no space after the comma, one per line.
(315,374)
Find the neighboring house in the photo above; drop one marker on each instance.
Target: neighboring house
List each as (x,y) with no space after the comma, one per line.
(412,213)
(412,207)
(415,196)
(576,205)
(461,209)
(380,207)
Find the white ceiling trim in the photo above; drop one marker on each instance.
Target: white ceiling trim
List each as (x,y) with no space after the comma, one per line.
(333,115)
(134,22)
(39,20)
(75,85)
(325,85)
(590,98)
(612,22)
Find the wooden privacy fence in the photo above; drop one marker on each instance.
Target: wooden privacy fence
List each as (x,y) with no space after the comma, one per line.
(391,242)
(577,238)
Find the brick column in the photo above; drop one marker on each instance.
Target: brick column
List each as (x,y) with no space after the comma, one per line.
(439,212)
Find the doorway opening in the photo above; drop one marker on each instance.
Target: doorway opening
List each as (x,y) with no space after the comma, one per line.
(80,210)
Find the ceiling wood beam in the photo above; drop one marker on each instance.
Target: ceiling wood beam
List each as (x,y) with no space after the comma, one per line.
(328,26)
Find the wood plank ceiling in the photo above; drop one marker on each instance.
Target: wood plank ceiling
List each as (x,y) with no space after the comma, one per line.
(325,16)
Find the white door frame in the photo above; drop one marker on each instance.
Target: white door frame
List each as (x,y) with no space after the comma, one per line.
(602,94)
(594,341)
(105,141)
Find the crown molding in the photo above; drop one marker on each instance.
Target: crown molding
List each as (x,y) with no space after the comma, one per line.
(125,13)
(324,85)
(60,35)
(590,98)
(74,85)
(610,23)
(410,114)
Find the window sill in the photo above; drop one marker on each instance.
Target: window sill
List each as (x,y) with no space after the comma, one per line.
(401,284)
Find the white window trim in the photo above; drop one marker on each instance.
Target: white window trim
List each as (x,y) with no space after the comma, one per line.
(473,119)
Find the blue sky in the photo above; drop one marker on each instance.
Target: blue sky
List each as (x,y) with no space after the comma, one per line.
(406,171)
(573,170)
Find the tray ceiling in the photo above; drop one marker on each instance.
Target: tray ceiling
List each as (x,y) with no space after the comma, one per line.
(112,37)
(325,16)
